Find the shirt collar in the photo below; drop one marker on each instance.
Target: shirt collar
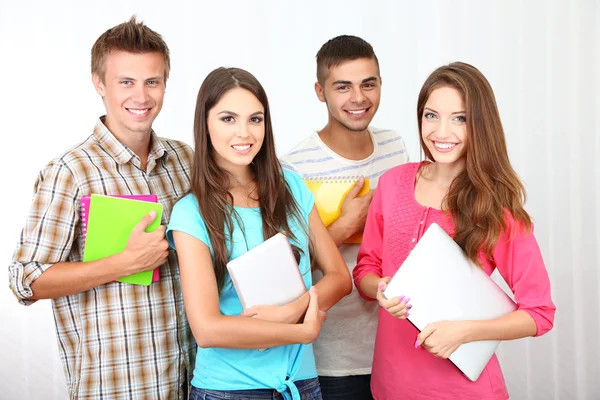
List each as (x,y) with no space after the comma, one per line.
(121,153)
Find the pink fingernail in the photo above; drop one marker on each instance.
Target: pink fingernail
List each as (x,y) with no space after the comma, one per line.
(416,343)
(406,300)
(381,287)
(407,314)
(409,306)
(400,298)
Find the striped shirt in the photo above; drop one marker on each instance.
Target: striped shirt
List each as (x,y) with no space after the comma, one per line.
(346,343)
(116,341)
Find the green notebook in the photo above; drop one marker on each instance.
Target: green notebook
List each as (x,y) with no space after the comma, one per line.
(110,222)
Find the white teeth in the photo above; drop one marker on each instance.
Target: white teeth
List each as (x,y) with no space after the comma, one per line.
(357,112)
(139,112)
(241,148)
(444,145)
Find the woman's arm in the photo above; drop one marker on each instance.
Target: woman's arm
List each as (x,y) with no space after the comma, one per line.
(519,260)
(213,329)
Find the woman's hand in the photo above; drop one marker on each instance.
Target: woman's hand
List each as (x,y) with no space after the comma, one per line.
(314,318)
(398,307)
(442,338)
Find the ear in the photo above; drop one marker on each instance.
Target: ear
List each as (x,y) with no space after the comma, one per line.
(99,85)
(320,92)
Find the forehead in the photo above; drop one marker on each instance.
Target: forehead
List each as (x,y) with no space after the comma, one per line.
(354,70)
(135,65)
(240,101)
(446,98)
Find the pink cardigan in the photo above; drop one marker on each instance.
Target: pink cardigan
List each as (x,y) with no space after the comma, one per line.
(394,225)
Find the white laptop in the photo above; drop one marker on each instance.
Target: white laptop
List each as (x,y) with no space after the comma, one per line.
(444,285)
(267,274)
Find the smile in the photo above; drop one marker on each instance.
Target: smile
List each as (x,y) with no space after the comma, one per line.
(140,112)
(357,112)
(241,148)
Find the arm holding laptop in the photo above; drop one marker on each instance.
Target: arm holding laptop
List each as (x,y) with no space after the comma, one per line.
(519,260)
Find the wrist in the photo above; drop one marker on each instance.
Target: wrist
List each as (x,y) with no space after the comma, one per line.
(469,333)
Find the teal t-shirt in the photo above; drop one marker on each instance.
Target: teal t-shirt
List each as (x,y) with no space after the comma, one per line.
(240,369)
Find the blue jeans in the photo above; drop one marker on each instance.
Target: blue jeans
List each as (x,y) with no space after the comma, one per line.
(308,388)
(356,387)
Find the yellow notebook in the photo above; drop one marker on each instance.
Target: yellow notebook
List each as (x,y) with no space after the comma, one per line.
(329,195)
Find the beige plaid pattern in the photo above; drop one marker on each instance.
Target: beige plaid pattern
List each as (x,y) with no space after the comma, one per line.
(116,341)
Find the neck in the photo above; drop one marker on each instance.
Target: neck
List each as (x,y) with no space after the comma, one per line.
(443,174)
(138,142)
(240,175)
(353,145)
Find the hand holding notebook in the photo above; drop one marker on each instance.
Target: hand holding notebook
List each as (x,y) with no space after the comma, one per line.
(109,226)
(330,194)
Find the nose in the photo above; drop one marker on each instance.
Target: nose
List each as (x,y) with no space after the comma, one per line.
(444,130)
(141,94)
(244,131)
(357,95)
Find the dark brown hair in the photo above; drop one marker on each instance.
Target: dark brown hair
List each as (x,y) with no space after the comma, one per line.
(210,182)
(488,186)
(131,36)
(339,49)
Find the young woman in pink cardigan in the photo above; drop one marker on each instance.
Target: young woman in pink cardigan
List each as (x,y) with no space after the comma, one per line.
(469,188)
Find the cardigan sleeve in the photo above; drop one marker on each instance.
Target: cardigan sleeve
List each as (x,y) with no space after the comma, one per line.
(370,253)
(518,258)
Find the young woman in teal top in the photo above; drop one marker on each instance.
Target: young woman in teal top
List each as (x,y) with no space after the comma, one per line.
(239,197)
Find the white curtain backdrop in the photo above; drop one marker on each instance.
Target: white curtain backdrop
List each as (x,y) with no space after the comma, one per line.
(541,57)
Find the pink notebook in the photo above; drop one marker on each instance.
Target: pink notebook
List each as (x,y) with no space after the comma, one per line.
(85,210)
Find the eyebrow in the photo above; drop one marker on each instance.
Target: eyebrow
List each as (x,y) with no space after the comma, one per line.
(432,110)
(126,78)
(369,79)
(237,115)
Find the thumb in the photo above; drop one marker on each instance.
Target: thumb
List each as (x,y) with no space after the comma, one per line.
(356,188)
(250,312)
(146,221)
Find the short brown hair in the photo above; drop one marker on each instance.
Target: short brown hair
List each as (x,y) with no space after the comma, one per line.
(131,36)
(339,49)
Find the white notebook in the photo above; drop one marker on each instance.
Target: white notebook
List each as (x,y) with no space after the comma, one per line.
(444,285)
(267,274)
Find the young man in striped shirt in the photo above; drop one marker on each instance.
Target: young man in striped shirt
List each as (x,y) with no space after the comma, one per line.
(349,83)
(116,340)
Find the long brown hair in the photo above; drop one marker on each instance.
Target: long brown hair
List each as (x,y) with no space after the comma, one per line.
(478,198)
(210,183)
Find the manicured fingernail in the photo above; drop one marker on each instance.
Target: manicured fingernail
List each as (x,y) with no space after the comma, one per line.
(406,300)
(407,314)
(400,298)
(381,287)
(409,306)
(416,343)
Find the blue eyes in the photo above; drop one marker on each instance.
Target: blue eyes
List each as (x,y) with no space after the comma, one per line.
(460,118)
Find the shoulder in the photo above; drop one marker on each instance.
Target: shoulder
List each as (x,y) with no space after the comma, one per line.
(306,148)
(180,149)
(187,203)
(401,173)
(294,180)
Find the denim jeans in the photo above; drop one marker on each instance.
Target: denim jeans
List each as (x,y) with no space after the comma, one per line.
(308,388)
(356,387)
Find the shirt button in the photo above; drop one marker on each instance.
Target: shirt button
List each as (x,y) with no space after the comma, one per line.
(413,240)
(422,222)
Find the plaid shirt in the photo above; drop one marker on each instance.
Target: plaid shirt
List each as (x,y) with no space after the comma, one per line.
(116,341)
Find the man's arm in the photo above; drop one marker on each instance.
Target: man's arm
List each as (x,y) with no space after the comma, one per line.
(144,251)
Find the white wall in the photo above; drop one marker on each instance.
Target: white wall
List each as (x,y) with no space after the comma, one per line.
(541,57)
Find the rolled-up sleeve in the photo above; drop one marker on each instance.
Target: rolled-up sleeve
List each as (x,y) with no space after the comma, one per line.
(519,260)
(370,254)
(49,231)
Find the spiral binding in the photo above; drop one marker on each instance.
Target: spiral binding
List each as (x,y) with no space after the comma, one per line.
(331,179)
